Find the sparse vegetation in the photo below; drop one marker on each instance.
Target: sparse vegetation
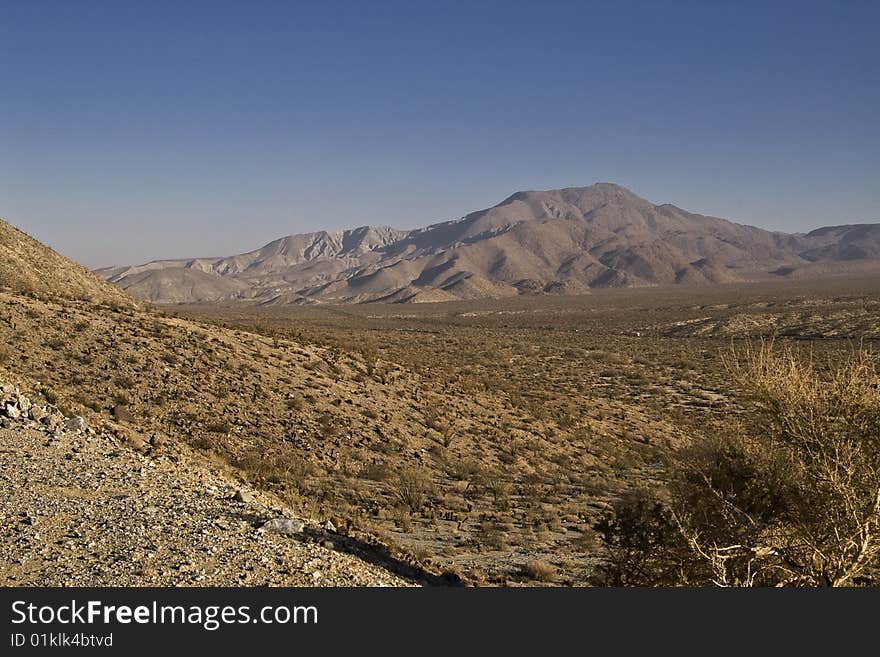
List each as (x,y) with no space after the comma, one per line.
(412,489)
(793,501)
(49,395)
(218,427)
(503,408)
(540,571)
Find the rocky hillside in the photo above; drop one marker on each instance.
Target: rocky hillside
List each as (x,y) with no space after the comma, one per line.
(407,466)
(108,469)
(26,266)
(843,243)
(82,508)
(538,242)
(181,284)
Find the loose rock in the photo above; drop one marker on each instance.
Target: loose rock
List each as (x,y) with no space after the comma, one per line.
(76,423)
(286,526)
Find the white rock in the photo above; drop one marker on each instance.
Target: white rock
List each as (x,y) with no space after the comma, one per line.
(287,526)
(75,423)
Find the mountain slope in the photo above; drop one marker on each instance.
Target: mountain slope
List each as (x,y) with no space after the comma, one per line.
(178,284)
(30,267)
(189,542)
(564,241)
(203,433)
(114,489)
(177,428)
(843,243)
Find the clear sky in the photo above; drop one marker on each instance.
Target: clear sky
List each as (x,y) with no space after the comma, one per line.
(138,130)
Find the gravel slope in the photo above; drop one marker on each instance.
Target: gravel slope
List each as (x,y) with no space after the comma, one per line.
(79,509)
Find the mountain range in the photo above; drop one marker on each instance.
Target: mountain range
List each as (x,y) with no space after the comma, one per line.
(564,241)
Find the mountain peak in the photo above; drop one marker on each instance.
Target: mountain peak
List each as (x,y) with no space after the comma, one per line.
(557,241)
(597,187)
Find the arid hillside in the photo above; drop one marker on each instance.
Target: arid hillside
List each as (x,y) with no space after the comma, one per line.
(439,474)
(477,441)
(28,267)
(82,508)
(96,491)
(556,242)
(415,460)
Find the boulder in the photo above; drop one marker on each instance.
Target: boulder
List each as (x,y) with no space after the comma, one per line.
(75,423)
(137,444)
(36,413)
(286,526)
(51,420)
(244,496)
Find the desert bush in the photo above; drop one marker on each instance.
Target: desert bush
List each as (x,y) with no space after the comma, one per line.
(495,484)
(125,382)
(55,343)
(793,501)
(445,431)
(219,426)
(412,489)
(297,468)
(375,471)
(370,353)
(494,534)
(540,571)
(201,442)
(433,418)
(464,469)
(49,394)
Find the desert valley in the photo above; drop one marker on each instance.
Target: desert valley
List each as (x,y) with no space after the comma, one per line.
(512,398)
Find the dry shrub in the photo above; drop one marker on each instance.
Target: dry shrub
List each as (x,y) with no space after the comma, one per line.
(540,571)
(794,501)
(219,426)
(412,489)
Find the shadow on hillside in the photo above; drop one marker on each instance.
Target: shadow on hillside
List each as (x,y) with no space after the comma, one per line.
(370,552)
(379,555)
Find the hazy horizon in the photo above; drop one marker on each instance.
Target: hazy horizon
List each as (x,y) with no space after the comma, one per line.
(137,133)
(249,246)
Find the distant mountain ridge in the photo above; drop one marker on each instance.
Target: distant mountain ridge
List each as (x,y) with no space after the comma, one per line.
(564,241)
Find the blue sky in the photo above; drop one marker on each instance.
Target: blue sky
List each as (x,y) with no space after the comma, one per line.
(131,130)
